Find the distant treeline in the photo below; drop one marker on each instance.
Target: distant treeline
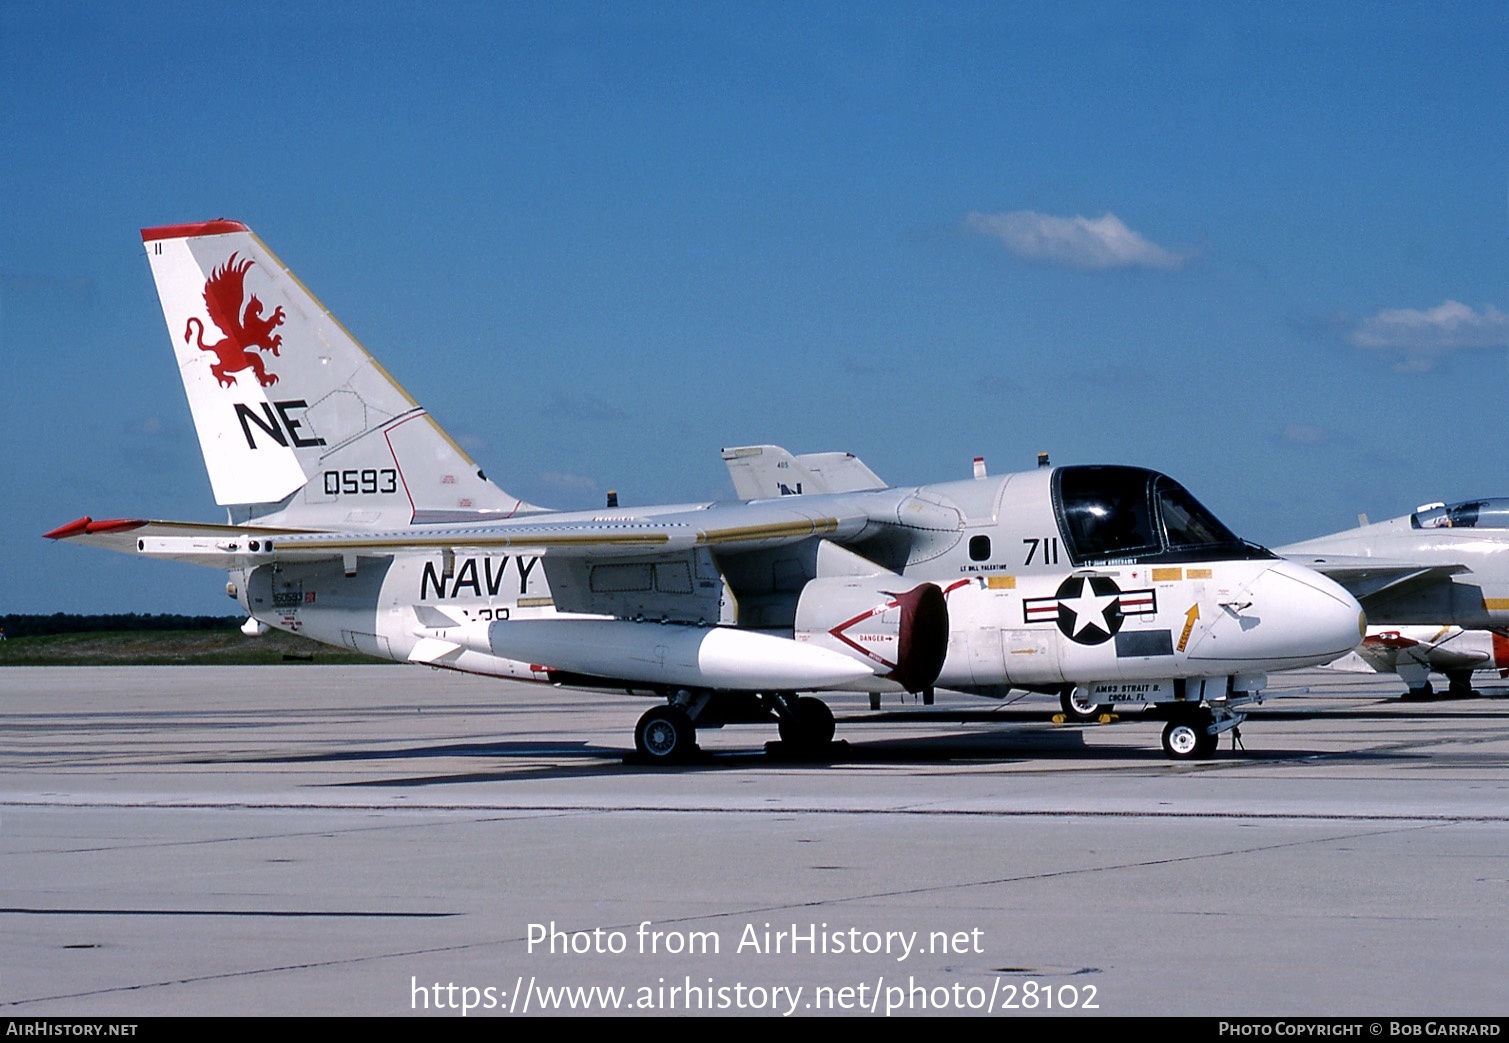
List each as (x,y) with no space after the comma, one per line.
(68,623)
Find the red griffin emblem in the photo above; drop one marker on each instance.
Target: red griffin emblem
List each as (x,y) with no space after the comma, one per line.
(244,329)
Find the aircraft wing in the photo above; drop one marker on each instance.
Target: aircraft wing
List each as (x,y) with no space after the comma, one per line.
(197,543)
(729,528)
(732,527)
(1366,577)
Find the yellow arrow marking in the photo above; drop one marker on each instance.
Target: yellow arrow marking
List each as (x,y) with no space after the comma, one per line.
(1190,615)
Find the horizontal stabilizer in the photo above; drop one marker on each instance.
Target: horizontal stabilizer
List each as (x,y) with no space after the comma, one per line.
(435,651)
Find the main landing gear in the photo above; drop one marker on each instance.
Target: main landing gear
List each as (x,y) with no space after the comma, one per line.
(667,734)
(805,723)
(1078,705)
(1460,684)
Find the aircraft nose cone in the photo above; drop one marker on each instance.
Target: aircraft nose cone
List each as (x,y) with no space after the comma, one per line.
(1288,617)
(1316,615)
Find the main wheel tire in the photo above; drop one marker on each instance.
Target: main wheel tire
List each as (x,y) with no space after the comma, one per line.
(813,727)
(1188,740)
(1077,705)
(665,734)
(817,720)
(1421,694)
(1461,684)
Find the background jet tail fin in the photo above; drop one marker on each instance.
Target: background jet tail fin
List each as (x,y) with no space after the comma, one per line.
(766,471)
(297,423)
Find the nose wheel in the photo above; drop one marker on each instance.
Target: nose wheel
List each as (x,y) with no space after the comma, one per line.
(1189,739)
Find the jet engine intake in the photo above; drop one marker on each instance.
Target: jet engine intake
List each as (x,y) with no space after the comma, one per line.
(900,632)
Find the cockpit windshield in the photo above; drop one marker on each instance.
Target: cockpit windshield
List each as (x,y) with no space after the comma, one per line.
(1124,515)
(1469,514)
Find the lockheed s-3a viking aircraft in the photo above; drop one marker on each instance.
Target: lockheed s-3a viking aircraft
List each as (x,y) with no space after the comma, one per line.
(355,520)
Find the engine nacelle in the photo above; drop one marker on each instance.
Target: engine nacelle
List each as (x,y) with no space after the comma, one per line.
(900,631)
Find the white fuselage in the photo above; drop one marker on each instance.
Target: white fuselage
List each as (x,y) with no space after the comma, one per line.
(1019,613)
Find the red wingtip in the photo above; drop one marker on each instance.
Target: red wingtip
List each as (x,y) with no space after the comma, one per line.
(88,526)
(220,227)
(73,528)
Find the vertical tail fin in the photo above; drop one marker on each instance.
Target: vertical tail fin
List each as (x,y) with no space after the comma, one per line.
(297,423)
(767,471)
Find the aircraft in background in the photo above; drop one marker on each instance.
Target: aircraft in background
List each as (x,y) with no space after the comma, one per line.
(355,520)
(1414,652)
(1423,579)
(1445,564)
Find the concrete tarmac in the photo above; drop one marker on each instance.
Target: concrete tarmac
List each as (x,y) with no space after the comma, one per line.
(394,841)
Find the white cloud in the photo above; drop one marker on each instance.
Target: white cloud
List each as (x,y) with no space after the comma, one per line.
(568,482)
(1305,434)
(1421,339)
(1080,242)
(148,425)
(586,407)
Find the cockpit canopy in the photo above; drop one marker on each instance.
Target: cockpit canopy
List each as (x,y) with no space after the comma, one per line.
(1112,515)
(1469,514)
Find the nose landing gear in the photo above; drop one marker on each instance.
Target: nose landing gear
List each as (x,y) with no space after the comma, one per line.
(1189,739)
(1193,735)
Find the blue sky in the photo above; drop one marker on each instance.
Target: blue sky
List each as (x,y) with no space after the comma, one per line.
(1259,246)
